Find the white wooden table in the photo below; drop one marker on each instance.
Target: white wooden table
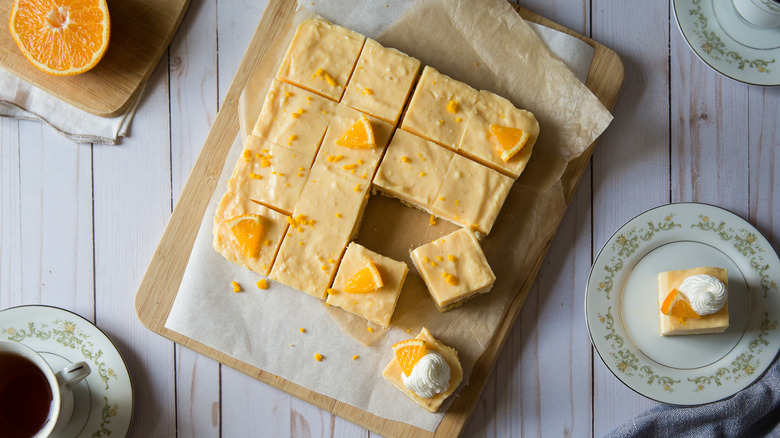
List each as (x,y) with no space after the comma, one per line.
(80,222)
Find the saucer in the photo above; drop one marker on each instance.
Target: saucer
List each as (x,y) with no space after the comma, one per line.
(622,309)
(726,42)
(104,400)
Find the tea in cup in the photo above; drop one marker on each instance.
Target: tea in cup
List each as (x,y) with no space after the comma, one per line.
(34,400)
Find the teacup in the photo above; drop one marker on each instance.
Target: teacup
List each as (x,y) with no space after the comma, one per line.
(761,13)
(35,400)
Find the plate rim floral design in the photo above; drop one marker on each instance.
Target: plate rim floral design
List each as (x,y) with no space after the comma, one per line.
(659,226)
(76,338)
(707,42)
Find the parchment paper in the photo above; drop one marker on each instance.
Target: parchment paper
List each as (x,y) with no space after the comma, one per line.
(489,47)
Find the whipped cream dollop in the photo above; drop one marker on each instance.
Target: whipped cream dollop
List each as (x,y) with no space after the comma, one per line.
(706,293)
(430,376)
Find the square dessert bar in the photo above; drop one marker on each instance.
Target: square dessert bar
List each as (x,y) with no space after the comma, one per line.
(472,194)
(332,201)
(413,169)
(439,108)
(273,225)
(269,174)
(308,259)
(381,82)
(480,143)
(675,325)
(294,118)
(321,58)
(361,162)
(454,268)
(376,306)
(393,373)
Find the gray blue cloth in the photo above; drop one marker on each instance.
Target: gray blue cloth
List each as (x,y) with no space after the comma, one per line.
(752,412)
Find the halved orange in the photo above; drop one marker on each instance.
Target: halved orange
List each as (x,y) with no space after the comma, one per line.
(508,140)
(365,280)
(61,37)
(675,304)
(408,353)
(248,229)
(359,136)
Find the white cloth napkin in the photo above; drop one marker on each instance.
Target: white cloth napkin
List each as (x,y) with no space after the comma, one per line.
(21,100)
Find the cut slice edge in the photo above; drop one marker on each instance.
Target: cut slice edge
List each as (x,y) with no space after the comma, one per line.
(248,231)
(359,136)
(367,279)
(675,304)
(509,140)
(408,353)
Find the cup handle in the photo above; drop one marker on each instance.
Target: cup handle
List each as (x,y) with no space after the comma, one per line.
(72,374)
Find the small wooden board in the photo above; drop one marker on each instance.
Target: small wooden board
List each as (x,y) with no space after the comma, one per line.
(141,31)
(160,285)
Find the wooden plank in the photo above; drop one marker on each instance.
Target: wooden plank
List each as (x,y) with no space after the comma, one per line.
(166,268)
(631,170)
(763,140)
(10,215)
(194,104)
(56,219)
(709,157)
(140,33)
(132,202)
(48,254)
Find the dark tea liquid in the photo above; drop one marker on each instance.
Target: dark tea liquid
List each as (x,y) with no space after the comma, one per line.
(25,397)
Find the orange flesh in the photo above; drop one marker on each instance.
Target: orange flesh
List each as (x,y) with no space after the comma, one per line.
(408,353)
(508,140)
(248,230)
(365,280)
(675,304)
(359,136)
(61,37)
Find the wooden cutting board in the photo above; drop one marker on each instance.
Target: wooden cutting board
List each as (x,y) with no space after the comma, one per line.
(160,284)
(140,32)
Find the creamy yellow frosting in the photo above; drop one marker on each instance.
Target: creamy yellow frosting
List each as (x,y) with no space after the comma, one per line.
(321,57)
(381,82)
(270,174)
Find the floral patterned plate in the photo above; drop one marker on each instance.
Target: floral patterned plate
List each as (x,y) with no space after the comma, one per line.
(729,44)
(104,400)
(621,304)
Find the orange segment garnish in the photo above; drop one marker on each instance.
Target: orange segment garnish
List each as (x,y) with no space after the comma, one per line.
(675,304)
(365,280)
(408,353)
(61,37)
(248,230)
(508,140)
(359,136)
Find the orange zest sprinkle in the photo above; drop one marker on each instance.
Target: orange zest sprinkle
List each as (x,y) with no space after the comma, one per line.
(453,106)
